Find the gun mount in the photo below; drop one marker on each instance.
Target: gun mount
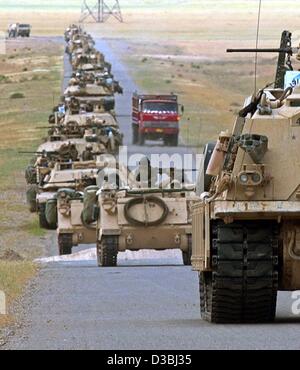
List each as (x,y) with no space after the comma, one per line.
(285,51)
(255,145)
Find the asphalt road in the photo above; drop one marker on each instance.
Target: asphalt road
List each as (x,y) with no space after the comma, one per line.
(79,306)
(75,305)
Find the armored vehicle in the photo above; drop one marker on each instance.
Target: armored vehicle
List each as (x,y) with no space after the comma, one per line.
(71,31)
(77,212)
(246,228)
(80,41)
(88,90)
(72,175)
(23,30)
(143,219)
(42,165)
(82,56)
(91,118)
(104,79)
(51,152)
(89,103)
(150,215)
(101,128)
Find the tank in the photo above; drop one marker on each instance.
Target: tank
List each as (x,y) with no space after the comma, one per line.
(138,218)
(246,227)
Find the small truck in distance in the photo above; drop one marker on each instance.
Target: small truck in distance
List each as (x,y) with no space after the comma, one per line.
(156,117)
(24,30)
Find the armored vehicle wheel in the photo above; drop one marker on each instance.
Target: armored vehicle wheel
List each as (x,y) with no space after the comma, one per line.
(31,198)
(42,218)
(243,284)
(65,244)
(135,134)
(107,251)
(141,138)
(187,256)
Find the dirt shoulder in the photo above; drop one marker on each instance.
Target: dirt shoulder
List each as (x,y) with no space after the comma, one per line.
(30,81)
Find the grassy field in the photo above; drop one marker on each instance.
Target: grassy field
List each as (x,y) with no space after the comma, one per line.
(13,277)
(30,83)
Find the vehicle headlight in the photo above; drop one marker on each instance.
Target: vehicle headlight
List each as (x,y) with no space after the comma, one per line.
(251,178)
(256,177)
(244,178)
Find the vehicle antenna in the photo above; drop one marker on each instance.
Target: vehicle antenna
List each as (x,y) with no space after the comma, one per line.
(256,45)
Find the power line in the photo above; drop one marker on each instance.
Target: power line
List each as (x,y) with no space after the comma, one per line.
(101,11)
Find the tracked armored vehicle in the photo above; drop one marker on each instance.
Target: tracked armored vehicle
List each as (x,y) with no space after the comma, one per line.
(145,217)
(88,90)
(59,151)
(77,211)
(82,57)
(92,95)
(71,31)
(246,228)
(81,42)
(101,128)
(104,79)
(75,176)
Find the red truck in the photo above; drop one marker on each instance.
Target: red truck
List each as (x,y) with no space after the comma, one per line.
(155,117)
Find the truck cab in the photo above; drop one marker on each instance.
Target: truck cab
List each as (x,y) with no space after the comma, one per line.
(24,30)
(155,117)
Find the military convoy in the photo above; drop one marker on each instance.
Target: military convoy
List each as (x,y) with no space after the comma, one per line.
(239,229)
(83,138)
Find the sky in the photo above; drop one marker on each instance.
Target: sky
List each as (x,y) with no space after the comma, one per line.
(75,4)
